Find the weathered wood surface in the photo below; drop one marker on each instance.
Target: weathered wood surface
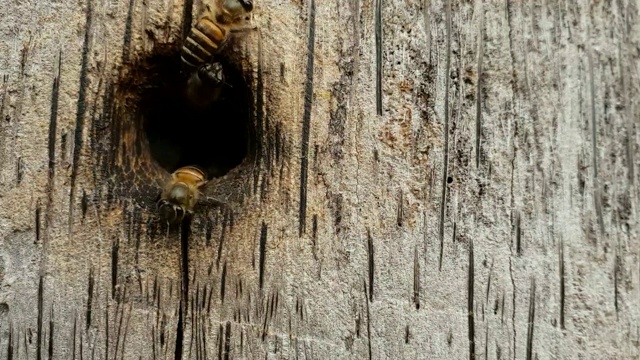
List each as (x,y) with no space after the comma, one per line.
(437,180)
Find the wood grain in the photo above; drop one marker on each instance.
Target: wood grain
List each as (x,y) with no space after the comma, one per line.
(428,179)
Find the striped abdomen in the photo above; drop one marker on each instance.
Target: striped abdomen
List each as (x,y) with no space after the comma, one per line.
(190,175)
(203,41)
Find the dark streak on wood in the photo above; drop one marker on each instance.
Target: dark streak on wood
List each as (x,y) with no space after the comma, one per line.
(185,230)
(265,320)
(225,221)
(264,181)
(37,222)
(502,310)
(154,351)
(259,120)
(26,348)
(616,283)
(53,123)
(50,350)
(400,210)
(514,90)
(486,341)
(223,282)
(5,80)
(63,146)
(562,284)
(479,86)
(10,342)
(90,297)
(126,42)
(19,170)
(368,319)
(416,279)
(594,126)
(40,315)
(106,331)
(378,32)
(277,301)
(279,144)
(513,305)
(306,119)
(531,319)
(445,161)
(314,236)
(81,347)
(84,204)
(370,253)
(114,267)
(597,192)
(263,245)
(75,336)
(518,234)
(227,341)
(406,334)
(455,231)
(470,310)
(220,335)
(80,111)
(204,342)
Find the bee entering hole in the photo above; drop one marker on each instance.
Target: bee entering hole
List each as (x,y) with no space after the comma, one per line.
(184,127)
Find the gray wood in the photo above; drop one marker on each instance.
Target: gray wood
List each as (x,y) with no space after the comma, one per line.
(463,185)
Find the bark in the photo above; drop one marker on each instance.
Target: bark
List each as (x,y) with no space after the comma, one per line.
(424,180)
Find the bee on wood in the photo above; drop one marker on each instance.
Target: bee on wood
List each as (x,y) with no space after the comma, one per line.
(206,39)
(181,193)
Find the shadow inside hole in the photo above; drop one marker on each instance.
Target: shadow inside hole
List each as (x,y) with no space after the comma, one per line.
(214,138)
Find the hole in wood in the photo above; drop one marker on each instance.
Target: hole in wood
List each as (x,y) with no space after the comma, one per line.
(214,137)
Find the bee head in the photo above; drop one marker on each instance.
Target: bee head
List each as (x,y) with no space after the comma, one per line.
(169,212)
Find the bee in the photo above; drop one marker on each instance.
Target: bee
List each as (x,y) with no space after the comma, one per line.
(209,35)
(181,193)
(206,39)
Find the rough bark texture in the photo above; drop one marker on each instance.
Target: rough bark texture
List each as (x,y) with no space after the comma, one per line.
(426,180)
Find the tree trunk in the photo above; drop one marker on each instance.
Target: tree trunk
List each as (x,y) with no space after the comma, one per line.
(435,180)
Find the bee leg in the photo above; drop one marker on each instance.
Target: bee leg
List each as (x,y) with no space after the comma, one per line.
(205,85)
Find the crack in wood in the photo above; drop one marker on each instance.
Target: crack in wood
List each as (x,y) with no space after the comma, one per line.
(306,119)
(445,162)
(80,112)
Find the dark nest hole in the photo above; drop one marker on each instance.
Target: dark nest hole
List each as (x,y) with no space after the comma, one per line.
(216,138)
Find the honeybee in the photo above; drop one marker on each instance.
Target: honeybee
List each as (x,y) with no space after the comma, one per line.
(181,193)
(211,32)
(206,39)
